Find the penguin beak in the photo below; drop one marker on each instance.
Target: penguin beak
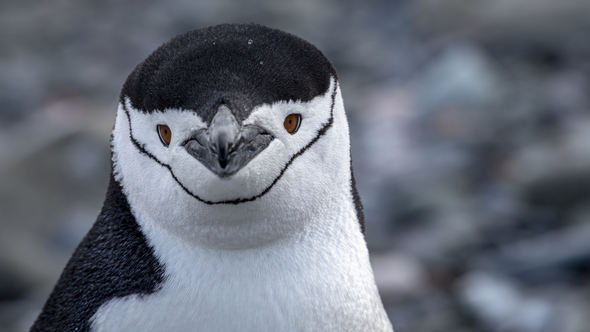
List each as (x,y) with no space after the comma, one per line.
(225,146)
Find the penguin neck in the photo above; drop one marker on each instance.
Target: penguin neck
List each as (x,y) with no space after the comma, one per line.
(329,247)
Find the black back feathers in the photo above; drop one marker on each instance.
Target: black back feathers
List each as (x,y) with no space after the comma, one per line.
(240,65)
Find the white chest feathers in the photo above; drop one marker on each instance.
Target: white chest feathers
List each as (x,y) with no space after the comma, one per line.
(320,281)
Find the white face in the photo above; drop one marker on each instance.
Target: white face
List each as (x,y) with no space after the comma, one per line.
(269,198)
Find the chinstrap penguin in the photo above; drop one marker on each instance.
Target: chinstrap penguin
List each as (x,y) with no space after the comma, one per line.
(232,204)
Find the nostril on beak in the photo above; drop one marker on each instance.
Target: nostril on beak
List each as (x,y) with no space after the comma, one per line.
(222,163)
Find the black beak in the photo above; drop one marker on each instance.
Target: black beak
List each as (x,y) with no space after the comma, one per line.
(226,146)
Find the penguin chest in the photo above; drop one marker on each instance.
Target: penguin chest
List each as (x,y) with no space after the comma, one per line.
(241,295)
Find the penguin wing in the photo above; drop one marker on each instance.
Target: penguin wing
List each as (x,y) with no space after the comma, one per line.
(113,260)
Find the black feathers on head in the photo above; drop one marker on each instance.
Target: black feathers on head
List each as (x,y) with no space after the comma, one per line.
(240,65)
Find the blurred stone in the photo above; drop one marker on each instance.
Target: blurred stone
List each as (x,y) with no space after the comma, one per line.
(560,190)
(28,264)
(522,19)
(12,285)
(567,91)
(17,315)
(501,305)
(398,276)
(441,240)
(572,310)
(462,77)
(564,251)
(435,312)
(555,169)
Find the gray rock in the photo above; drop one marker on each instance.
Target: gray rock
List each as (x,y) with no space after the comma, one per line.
(462,77)
(501,306)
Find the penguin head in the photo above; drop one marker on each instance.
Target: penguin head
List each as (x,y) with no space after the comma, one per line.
(222,135)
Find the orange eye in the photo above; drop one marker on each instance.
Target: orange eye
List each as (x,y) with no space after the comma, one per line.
(292,123)
(165,134)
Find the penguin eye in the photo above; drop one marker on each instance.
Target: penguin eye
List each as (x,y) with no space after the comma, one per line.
(292,123)
(164,133)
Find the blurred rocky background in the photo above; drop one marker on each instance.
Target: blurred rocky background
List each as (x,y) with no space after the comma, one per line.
(470,126)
